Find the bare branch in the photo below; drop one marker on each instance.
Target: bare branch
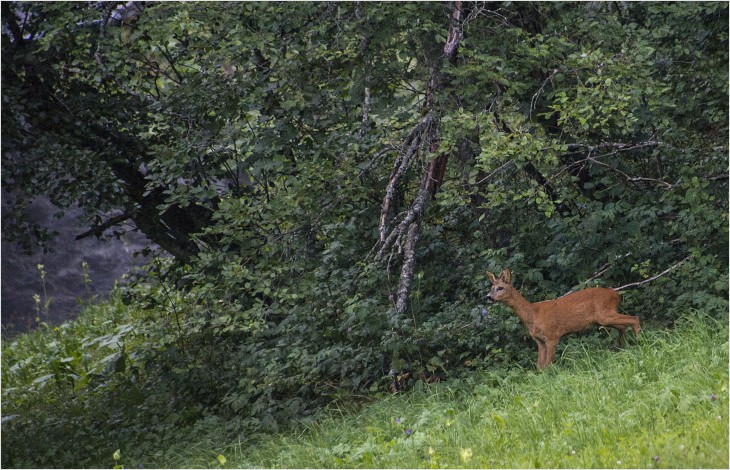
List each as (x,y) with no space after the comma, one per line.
(365,109)
(533,101)
(364,47)
(401,163)
(627,177)
(98,230)
(375,159)
(653,278)
(481,10)
(409,148)
(455,32)
(615,147)
(600,272)
(409,254)
(494,172)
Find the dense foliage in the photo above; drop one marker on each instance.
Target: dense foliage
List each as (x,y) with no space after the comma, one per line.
(332,179)
(648,407)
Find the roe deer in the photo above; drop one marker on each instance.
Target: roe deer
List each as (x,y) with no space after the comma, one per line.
(549,320)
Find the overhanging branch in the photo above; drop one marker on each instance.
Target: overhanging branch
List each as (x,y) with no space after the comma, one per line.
(98,230)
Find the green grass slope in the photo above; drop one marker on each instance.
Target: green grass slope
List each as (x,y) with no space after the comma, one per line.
(661,403)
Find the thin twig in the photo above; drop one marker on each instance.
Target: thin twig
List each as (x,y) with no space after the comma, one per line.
(601,271)
(653,278)
(367,168)
(533,101)
(628,177)
(493,173)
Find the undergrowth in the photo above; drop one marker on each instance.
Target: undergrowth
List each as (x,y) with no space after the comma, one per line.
(662,403)
(78,395)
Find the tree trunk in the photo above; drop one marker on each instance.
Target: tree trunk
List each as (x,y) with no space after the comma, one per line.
(433,174)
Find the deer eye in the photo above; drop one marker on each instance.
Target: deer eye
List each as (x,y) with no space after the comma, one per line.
(500,288)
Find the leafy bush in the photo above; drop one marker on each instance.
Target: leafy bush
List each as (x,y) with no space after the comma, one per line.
(667,396)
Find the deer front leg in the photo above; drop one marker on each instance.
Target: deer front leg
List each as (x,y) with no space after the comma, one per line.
(550,347)
(541,352)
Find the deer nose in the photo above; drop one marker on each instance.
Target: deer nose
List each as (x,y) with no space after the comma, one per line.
(490,298)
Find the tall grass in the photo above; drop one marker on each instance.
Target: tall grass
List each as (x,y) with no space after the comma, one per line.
(660,403)
(59,385)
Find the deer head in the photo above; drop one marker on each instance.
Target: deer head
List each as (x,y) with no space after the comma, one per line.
(501,288)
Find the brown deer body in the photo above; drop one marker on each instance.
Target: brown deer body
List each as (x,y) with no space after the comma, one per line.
(549,320)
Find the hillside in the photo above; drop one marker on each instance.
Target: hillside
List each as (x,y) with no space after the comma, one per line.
(661,402)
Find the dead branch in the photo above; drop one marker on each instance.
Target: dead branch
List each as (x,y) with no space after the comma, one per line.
(365,109)
(629,178)
(615,148)
(600,272)
(533,101)
(409,256)
(364,47)
(408,150)
(494,172)
(653,278)
(455,32)
(433,172)
(373,160)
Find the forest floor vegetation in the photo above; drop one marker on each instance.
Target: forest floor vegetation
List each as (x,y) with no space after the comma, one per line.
(662,402)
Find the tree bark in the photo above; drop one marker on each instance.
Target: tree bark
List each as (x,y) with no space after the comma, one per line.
(433,173)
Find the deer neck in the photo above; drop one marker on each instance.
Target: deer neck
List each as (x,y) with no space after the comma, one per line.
(522,308)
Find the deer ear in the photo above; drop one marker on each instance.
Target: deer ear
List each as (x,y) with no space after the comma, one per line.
(492,277)
(506,276)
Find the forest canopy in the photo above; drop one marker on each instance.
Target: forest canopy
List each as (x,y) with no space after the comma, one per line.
(326,183)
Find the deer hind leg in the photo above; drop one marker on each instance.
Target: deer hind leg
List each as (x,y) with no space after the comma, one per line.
(620,322)
(550,347)
(621,335)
